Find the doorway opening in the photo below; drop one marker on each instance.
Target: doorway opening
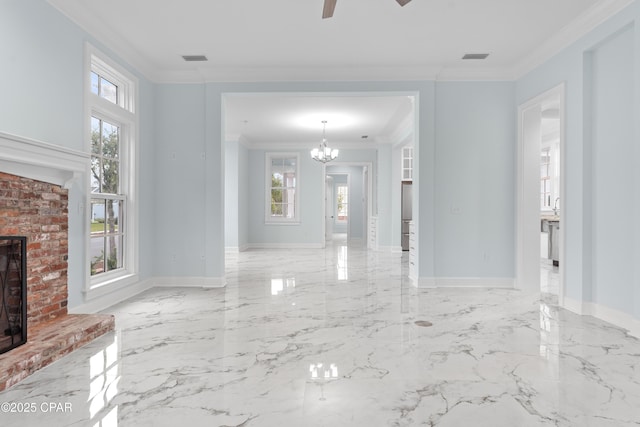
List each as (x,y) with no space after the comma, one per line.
(541,225)
(347,202)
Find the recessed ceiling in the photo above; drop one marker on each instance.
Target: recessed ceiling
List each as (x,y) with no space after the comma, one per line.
(297,118)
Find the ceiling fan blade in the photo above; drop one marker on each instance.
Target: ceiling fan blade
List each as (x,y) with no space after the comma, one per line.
(329,7)
(403,2)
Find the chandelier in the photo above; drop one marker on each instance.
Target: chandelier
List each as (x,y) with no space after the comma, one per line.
(323,153)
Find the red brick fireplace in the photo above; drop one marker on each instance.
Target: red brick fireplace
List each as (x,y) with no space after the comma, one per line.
(39,211)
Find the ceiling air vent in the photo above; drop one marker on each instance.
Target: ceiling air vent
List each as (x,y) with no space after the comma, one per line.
(194,58)
(475,56)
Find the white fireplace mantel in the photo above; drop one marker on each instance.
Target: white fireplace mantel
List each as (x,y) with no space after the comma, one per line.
(41,161)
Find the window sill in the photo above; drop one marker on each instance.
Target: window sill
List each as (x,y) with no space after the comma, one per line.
(282,223)
(111,284)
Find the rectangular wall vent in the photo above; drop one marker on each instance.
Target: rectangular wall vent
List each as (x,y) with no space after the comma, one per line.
(194,58)
(475,56)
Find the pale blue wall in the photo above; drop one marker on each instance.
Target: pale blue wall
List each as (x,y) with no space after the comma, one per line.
(310,190)
(602,185)
(180,184)
(243,196)
(231,194)
(613,162)
(41,87)
(475,186)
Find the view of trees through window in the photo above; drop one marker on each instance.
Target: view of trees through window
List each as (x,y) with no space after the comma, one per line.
(283,187)
(106,202)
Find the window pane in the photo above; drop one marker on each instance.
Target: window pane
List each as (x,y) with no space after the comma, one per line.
(113,216)
(288,210)
(97,255)
(277,179)
(110,140)
(290,180)
(94,83)
(276,196)
(114,252)
(97,216)
(276,209)
(110,176)
(95,136)
(96,173)
(108,90)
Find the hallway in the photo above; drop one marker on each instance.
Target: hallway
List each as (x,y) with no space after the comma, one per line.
(329,338)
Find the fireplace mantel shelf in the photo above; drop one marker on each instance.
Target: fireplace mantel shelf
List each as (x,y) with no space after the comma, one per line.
(41,161)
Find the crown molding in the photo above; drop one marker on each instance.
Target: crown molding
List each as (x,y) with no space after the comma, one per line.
(571,33)
(109,39)
(475,74)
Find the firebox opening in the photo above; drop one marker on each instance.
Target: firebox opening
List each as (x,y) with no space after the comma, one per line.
(13,292)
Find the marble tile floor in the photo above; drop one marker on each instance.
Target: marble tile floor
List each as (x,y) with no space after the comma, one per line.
(549,277)
(329,338)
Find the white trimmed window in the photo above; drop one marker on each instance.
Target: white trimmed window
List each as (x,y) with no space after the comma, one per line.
(110,100)
(282,188)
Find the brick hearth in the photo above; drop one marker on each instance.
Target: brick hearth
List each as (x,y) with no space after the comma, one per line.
(38,210)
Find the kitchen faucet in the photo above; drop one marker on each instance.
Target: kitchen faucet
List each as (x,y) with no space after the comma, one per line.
(555,206)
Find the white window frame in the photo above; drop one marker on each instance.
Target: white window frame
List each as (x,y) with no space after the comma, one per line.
(122,114)
(267,191)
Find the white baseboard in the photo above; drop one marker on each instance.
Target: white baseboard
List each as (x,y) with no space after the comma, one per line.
(610,315)
(235,249)
(464,282)
(285,245)
(424,282)
(476,282)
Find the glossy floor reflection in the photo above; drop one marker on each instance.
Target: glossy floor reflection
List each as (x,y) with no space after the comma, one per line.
(329,338)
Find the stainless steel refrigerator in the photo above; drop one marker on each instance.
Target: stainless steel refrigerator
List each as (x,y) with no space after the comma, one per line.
(407,209)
